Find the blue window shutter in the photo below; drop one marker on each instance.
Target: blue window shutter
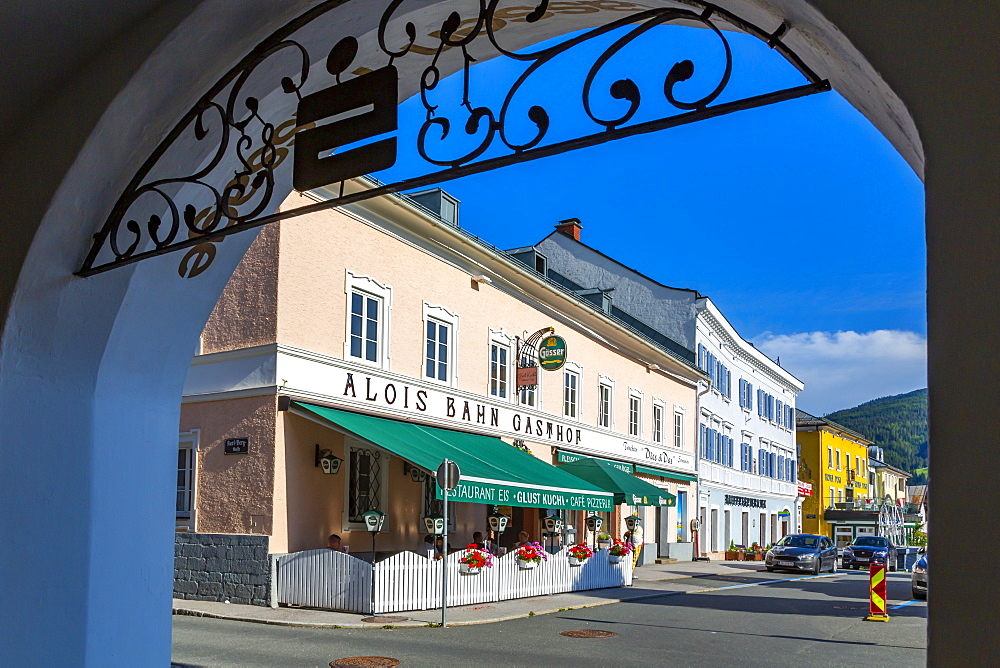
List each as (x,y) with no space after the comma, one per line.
(701,357)
(781,467)
(760,402)
(750,396)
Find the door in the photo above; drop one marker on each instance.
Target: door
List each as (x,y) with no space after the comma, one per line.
(746,530)
(715,530)
(728,529)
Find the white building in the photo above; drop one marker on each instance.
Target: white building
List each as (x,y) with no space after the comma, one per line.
(746,413)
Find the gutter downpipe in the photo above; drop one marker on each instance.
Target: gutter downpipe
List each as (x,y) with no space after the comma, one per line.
(697,458)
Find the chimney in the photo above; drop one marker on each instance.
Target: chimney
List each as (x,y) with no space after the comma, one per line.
(570,227)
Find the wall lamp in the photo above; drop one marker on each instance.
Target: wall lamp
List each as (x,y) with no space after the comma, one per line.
(326,460)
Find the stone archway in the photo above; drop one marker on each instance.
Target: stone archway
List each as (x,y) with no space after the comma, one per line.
(91,370)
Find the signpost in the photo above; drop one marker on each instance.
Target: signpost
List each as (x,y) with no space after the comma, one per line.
(448,476)
(237,446)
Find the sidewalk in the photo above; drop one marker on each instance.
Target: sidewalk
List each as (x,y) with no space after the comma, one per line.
(649,581)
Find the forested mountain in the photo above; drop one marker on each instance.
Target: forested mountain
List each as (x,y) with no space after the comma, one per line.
(898,424)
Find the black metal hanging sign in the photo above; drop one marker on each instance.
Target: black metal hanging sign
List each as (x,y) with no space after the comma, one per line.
(312,107)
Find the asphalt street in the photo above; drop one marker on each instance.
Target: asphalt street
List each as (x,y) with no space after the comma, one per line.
(803,622)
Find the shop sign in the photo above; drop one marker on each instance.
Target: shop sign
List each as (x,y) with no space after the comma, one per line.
(744,501)
(552,353)
(568,457)
(237,446)
(805,488)
(477,491)
(527,376)
(785,514)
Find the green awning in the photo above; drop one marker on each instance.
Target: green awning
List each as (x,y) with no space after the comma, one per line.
(627,488)
(493,472)
(665,473)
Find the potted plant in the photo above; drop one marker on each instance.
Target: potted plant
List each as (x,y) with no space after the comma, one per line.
(734,554)
(530,555)
(755,553)
(474,559)
(618,549)
(603,541)
(579,554)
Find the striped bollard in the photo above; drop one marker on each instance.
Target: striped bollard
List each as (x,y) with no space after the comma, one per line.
(877,607)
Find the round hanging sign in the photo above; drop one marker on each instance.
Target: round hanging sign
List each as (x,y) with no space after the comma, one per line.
(552,353)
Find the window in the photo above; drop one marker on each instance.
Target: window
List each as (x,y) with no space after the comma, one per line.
(604,395)
(364,489)
(365,317)
(571,389)
(436,355)
(838,460)
(434,505)
(498,370)
(367,334)
(746,394)
(527,395)
(634,414)
(657,423)
(829,458)
(678,428)
(187,459)
(440,344)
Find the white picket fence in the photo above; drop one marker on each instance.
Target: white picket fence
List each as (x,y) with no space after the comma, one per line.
(408,581)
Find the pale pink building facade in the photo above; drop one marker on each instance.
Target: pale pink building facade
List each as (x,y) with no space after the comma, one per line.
(386,310)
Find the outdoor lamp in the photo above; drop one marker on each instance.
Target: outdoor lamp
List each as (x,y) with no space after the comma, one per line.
(417,474)
(326,460)
(633,521)
(552,523)
(374,519)
(594,523)
(498,522)
(434,524)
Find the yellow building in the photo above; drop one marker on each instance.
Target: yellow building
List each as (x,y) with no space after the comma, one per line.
(835,460)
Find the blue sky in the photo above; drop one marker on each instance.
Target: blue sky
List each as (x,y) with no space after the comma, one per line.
(798,219)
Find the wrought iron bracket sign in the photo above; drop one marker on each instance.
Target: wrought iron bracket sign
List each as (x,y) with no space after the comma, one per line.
(218,171)
(552,353)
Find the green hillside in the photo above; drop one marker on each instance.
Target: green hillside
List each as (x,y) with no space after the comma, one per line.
(898,424)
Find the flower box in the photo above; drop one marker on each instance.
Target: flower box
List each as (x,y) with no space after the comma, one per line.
(526,565)
(615,558)
(734,555)
(603,544)
(466,569)
(573,561)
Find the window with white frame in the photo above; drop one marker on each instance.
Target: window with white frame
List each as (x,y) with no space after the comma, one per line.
(528,394)
(657,422)
(187,465)
(571,394)
(365,487)
(829,457)
(500,361)
(838,460)
(440,344)
(368,306)
(605,398)
(678,427)
(634,413)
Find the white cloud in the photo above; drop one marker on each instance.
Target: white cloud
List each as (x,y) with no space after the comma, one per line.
(844,369)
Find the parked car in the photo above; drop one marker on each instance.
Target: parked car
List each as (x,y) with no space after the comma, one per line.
(802,552)
(866,550)
(918,579)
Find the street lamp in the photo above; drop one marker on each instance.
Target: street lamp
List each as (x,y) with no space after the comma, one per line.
(594,524)
(553,525)
(498,523)
(374,519)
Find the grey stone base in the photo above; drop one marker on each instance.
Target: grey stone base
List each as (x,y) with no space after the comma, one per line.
(222,567)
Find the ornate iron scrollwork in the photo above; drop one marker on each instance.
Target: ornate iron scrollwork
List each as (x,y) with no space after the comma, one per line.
(239,147)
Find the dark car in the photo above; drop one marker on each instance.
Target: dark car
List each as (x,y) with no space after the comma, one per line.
(918,579)
(802,552)
(868,550)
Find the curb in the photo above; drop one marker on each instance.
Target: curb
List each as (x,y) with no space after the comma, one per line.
(187,612)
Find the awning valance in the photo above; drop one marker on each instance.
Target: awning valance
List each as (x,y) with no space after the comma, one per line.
(627,488)
(493,472)
(664,473)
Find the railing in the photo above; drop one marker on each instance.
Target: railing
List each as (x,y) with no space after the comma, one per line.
(872,506)
(407,581)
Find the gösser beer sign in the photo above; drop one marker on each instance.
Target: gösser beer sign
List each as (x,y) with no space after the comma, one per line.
(552,353)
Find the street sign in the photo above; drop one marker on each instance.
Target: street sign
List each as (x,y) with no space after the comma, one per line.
(237,446)
(448,475)
(552,353)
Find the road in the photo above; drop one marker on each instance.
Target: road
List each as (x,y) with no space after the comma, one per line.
(805,622)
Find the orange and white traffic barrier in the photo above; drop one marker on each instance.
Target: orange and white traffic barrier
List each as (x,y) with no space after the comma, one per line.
(877,610)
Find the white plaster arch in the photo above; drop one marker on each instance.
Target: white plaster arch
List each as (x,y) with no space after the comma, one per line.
(91,370)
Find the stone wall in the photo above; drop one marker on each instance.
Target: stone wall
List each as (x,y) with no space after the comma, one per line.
(222,567)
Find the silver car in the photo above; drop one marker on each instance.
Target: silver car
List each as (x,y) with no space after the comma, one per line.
(802,552)
(918,578)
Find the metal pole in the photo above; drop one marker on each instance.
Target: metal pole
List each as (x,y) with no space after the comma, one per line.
(444,551)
